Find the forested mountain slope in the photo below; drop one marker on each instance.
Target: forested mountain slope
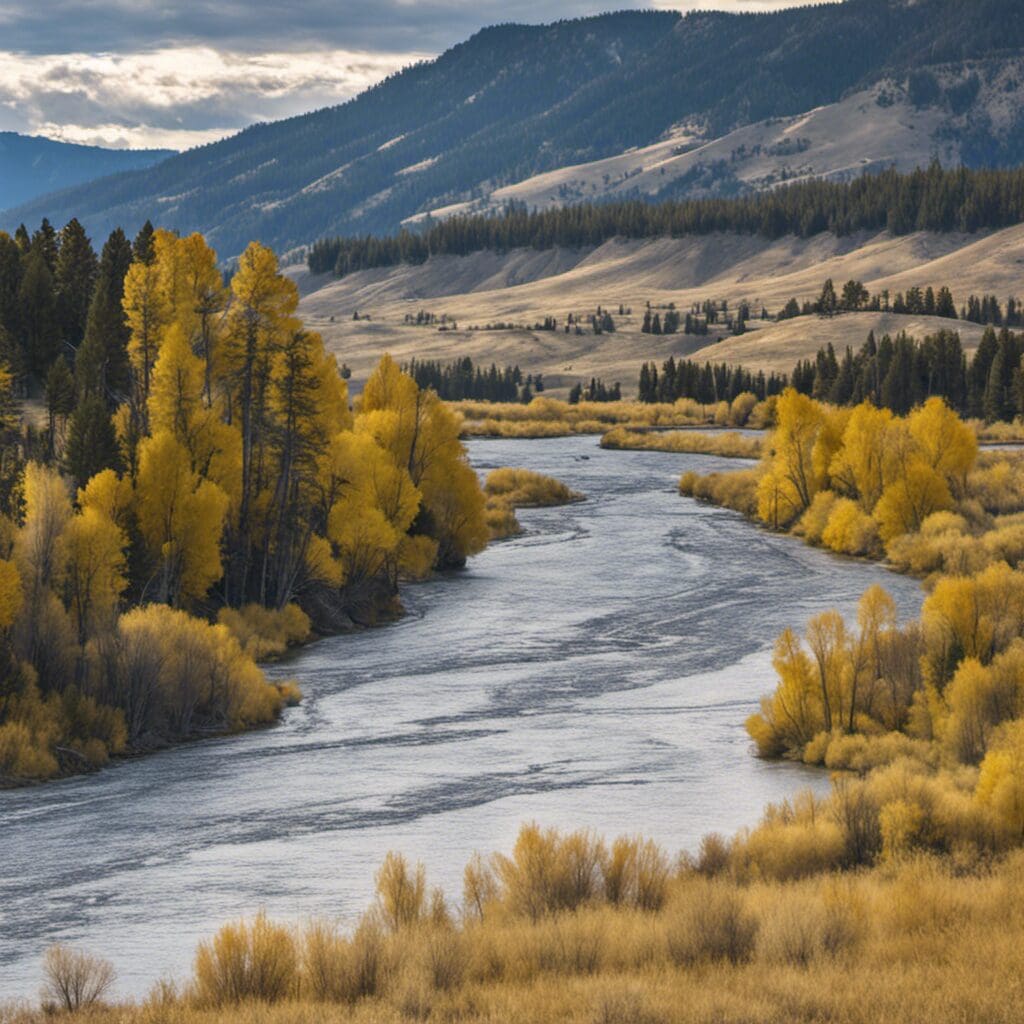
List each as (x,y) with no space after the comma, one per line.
(31,166)
(515,101)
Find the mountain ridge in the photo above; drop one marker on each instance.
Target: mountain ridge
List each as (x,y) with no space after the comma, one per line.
(515,101)
(34,165)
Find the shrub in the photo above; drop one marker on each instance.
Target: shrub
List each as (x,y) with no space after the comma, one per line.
(803,928)
(713,924)
(246,960)
(74,980)
(401,892)
(266,632)
(635,873)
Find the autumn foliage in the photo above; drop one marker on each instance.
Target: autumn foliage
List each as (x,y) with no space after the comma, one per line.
(242,502)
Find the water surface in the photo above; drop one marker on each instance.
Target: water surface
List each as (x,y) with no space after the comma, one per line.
(594,672)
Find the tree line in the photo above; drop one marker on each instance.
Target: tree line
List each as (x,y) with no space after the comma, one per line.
(900,373)
(706,383)
(461,379)
(854,297)
(934,199)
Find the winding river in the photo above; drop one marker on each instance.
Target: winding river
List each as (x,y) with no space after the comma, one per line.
(594,672)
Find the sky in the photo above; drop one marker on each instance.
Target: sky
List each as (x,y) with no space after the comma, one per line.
(159,73)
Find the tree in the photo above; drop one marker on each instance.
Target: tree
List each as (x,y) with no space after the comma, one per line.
(74,280)
(181,517)
(94,571)
(92,444)
(60,400)
(102,364)
(37,315)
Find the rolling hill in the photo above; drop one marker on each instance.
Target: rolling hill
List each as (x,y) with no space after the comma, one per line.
(523,286)
(646,103)
(31,166)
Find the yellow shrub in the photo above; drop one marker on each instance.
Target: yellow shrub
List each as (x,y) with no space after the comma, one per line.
(246,960)
(265,632)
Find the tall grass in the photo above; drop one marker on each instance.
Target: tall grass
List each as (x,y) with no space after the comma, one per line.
(727,446)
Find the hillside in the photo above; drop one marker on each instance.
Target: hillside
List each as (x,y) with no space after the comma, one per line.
(31,166)
(934,77)
(524,286)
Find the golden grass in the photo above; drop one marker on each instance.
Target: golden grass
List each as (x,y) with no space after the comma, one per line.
(910,941)
(725,445)
(551,417)
(508,489)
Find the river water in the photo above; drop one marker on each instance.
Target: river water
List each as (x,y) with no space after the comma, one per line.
(594,672)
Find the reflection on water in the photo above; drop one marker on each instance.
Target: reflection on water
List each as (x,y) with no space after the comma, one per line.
(594,672)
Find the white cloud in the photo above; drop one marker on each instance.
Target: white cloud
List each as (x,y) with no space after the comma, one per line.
(175,97)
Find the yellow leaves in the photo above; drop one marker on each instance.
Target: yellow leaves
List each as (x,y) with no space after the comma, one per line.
(1001,782)
(177,386)
(793,478)
(905,504)
(197,673)
(264,301)
(11,596)
(94,546)
(864,467)
(181,517)
(973,617)
(47,510)
(948,445)
(850,530)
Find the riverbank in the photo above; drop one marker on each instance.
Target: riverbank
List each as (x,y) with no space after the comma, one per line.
(540,683)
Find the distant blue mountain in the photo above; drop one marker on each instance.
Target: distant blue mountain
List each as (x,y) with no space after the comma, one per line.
(32,166)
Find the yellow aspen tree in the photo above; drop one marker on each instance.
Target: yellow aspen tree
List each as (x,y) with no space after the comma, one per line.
(260,318)
(948,445)
(11,595)
(863,467)
(94,575)
(792,479)
(38,549)
(826,637)
(181,517)
(146,310)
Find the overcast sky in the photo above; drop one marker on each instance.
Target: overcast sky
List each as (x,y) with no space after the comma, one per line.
(135,73)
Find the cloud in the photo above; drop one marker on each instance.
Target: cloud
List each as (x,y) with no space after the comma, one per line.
(138,73)
(177,97)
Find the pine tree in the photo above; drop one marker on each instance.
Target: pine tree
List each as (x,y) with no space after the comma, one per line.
(74,279)
(92,442)
(38,315)
(60,399)
(143,250)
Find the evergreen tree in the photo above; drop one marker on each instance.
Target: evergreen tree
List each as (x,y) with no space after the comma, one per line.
(60,400)
(37,315)
(74,279)
(143,249)
(92,442)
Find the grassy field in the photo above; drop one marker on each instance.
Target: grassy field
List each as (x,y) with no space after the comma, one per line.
(523,287)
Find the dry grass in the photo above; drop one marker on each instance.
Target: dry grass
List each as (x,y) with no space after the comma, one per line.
(508,489)
(908,942)
(727,445)
(550,417)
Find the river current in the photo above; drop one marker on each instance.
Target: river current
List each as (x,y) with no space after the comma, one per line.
(594,672)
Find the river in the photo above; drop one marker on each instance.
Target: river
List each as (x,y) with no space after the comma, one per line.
(594,672)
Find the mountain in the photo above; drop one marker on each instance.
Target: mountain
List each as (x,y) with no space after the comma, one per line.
(31,166)
(919,77)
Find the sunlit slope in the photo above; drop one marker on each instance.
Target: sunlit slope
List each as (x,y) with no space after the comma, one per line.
(524,286)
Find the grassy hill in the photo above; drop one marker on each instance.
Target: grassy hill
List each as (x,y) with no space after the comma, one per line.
(524,286)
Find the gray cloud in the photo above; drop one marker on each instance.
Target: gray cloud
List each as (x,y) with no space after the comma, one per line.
(163,73)
(68,26)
